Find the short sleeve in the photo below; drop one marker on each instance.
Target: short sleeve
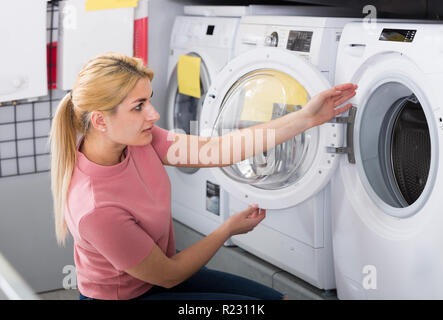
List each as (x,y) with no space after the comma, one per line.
(161,141)
(114,233)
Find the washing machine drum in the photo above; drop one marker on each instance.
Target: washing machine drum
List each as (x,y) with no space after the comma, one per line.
(186,109)
(395,145)
(410,150)
(258,97)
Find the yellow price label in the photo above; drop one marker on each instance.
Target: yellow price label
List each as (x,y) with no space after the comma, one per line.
(188,76)
(92,5)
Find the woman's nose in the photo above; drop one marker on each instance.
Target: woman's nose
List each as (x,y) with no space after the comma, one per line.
(152,114)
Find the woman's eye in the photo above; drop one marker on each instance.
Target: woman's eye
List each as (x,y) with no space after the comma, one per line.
(139,107)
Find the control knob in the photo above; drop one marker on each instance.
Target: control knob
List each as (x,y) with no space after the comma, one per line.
(272,40)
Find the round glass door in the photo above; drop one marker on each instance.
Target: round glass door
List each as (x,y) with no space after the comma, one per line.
(257,97)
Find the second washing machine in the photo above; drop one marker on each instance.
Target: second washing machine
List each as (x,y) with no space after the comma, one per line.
(207,36)
(281,63)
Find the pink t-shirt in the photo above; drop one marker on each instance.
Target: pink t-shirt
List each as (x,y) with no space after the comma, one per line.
(116,214)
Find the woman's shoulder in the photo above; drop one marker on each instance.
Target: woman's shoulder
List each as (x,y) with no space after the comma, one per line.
(80,196)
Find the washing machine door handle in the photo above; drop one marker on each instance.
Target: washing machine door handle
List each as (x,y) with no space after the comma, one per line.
(349,121)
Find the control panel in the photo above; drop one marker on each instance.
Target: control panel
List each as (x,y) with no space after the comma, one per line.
(300,40)
(315,44)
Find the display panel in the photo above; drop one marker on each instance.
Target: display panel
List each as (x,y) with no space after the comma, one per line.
(397,35)
(299,40)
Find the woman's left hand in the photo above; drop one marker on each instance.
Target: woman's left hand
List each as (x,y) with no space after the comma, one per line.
(323,107)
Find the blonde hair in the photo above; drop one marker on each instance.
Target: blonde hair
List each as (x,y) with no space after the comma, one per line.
(102,84)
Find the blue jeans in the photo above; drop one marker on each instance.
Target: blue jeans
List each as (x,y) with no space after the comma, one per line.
(209,284)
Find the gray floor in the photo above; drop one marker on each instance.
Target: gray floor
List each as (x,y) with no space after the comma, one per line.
(237,261)
(59,295)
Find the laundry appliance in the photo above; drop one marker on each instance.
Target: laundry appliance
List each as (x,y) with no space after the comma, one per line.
(208,34)
(387,191)
(281,62)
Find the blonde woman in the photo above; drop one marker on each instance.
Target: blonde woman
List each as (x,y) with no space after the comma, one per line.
(111,191)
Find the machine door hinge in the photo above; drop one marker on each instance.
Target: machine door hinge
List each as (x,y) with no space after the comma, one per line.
(349,148)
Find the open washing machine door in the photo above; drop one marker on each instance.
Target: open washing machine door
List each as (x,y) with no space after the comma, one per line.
(256,87)
(183,111)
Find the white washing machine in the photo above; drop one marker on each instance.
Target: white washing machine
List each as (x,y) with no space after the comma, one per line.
(196,197)
(281,63)
(387,193)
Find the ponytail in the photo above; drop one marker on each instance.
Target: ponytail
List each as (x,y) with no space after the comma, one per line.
(63,139)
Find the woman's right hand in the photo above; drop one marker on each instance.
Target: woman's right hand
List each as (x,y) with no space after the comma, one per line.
(245,221)
(323,106)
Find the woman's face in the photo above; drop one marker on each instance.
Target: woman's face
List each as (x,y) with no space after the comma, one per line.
(134,118)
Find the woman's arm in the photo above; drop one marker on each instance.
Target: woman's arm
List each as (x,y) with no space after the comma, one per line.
(195,151)
(166,272)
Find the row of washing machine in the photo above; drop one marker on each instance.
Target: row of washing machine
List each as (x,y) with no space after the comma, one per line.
(352,204)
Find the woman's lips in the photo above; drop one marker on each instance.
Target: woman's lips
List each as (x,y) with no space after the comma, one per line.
(147,130)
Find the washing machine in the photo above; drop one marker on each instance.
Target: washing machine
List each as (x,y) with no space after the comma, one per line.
(196,197)
(387,191)
(208,33)
(280,63)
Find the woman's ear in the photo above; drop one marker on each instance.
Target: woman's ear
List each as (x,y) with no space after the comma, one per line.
(98,120)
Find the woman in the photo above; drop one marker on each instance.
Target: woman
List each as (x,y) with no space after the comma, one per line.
(111,191)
